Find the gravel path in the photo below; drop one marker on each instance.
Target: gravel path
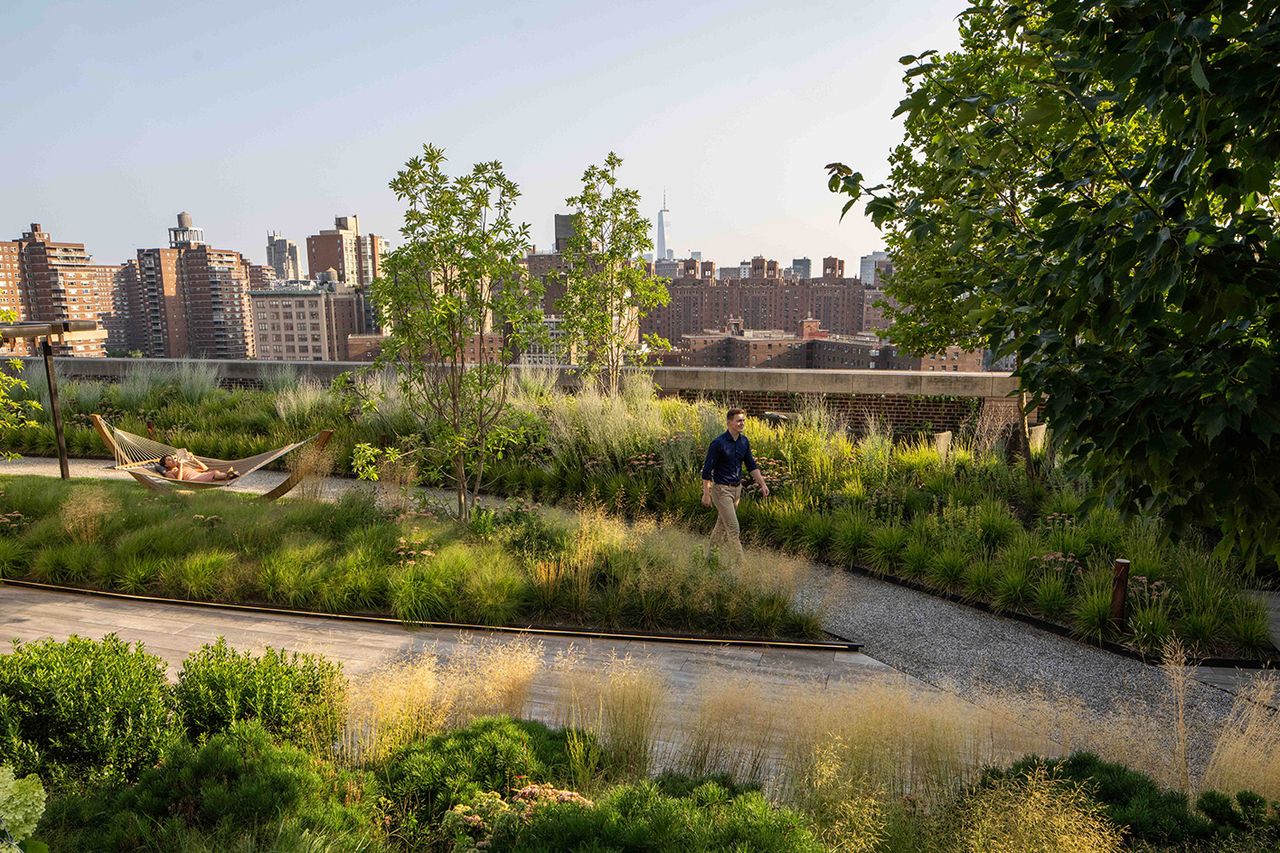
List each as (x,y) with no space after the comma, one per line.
(977,655)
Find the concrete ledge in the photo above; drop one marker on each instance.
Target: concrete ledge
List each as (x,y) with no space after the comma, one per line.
(672,380)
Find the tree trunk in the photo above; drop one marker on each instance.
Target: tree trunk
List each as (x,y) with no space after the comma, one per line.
(1024,424)
(460,482)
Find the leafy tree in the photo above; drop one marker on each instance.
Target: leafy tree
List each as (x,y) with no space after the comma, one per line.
(607,286)
(459,309)
(14,413)
(1092,187)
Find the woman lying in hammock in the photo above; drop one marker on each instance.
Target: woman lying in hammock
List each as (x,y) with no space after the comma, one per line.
(182,465)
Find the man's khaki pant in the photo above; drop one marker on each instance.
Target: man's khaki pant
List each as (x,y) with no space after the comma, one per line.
(725,500)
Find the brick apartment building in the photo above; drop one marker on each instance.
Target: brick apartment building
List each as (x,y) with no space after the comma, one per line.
(810,347)
(192,300)
(837,303)
(306,323)
(45,280)
(356,257)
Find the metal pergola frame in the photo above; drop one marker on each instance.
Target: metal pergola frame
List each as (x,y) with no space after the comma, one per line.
(62,330)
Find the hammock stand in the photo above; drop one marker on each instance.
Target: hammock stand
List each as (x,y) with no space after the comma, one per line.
(138,456)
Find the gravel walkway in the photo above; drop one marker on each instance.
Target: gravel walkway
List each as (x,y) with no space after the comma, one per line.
(976,655)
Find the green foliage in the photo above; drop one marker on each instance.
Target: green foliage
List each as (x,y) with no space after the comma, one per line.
(79,712)
(641,817)
(1150,814)
(296,697)
(16,410)
(21,804)
(428,778)
(607,288)
(456,278)
(237,791)
(1091,187)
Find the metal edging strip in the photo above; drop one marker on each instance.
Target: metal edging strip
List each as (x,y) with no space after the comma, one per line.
(842,645)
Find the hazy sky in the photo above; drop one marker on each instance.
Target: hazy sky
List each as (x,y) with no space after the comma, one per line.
(259,116)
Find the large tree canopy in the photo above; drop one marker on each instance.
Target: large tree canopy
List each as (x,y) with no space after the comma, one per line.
(1093,186)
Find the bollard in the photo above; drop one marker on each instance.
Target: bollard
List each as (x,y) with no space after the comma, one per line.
(1119,593)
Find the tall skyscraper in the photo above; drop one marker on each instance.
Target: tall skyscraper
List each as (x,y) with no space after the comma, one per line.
(194,299)
(59,281)
(873,268)
(282,256)
(661,252)
(802,267)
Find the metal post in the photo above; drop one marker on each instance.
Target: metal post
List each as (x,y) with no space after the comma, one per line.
(55,412)
(1119,593)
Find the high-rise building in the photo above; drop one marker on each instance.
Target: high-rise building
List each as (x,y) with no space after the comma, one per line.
(10,274)
(262,277)
(59,281)
(833,267)
(874,268)
(801,268)
(564,231)
(356,257)
(282,256)
(661,252)
(194,299)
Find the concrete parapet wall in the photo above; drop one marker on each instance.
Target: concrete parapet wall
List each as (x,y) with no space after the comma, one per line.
(906,400)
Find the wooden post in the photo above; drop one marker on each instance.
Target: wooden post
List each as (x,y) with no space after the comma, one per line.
(55,411)
(942,443)
(1119,593)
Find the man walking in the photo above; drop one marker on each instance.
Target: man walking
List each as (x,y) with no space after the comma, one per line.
(722,480)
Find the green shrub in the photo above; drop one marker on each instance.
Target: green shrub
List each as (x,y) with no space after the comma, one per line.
(237,791)
(640,817)
(994,525)
(426,779)
(1149,813)
(295,697)
(80,711)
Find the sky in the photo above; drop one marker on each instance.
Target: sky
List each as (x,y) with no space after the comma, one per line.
(278,116)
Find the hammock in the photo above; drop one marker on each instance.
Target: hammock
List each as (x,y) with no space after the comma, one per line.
(139,457)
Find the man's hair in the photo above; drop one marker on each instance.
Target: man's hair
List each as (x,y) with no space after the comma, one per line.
(733,413)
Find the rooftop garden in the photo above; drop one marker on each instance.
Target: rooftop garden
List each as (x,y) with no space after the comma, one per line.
(975,521)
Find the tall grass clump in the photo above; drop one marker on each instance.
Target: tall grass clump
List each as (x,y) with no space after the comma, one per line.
(1246,751)
(620,704)
(1036,814)
(194,381)
(405,701)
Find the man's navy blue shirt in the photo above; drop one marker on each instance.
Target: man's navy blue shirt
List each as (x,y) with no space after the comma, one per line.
(725,458)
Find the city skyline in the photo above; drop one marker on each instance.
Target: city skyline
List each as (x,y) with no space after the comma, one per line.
(746,104)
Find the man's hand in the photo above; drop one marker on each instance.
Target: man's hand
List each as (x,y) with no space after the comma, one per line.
(706,493)
(760,483)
